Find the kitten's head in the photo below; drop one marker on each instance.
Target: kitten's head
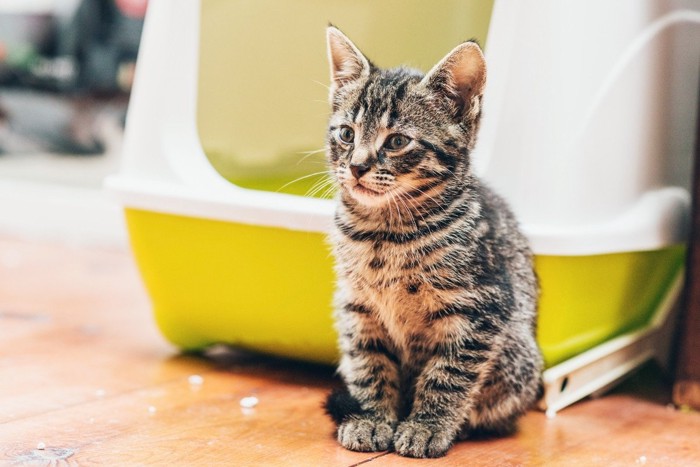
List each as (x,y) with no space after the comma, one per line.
(397,136)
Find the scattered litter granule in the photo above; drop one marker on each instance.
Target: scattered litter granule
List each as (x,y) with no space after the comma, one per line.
(41,446)
(151,409)
(641,460)
(195,380)
(100,393)
(249,402)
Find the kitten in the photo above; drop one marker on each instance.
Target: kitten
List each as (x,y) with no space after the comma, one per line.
(436,299)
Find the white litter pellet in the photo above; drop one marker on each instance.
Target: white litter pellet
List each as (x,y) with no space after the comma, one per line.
(100,393)
(249,402)
(550,414)
(41,446)
(195,380)
(642,460)
(151,409)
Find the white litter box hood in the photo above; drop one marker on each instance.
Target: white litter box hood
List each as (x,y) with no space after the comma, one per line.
(587,131)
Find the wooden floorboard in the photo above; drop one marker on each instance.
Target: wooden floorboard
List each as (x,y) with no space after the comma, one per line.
(85,375)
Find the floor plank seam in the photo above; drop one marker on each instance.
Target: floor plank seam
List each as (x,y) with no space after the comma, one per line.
(371,459)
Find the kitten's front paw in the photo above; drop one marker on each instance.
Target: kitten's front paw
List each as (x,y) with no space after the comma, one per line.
(365,434)
(414,439)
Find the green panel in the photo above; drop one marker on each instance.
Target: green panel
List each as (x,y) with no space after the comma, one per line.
(263,92)
(259,288)
(587,300)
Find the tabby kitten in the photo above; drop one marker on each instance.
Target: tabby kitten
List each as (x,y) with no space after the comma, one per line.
(436,299)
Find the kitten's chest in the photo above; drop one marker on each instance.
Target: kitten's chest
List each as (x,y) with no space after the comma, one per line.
(380,276)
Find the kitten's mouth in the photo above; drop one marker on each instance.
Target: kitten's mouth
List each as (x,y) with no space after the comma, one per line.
(358,187)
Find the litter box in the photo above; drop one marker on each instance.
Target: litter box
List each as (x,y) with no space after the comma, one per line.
(588,136)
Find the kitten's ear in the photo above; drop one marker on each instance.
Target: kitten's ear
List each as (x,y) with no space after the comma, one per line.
(347,62)
(461,77)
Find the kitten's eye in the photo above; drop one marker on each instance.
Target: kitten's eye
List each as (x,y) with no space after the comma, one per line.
(346,134)
(396,142)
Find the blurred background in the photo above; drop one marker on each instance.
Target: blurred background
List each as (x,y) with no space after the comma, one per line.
(66,70)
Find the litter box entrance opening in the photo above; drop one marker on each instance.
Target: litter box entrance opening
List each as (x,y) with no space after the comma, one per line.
(263,96)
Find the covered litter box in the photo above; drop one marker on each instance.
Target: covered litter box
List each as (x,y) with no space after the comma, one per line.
(588,135)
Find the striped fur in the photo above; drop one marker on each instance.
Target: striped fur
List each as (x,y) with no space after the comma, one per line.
(436,298)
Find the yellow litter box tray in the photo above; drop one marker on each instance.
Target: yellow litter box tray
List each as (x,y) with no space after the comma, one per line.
(269,289)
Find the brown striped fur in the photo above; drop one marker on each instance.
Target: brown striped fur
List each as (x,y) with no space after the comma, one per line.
(436,299)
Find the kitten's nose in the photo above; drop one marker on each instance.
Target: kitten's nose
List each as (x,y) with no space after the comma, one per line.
(358,170)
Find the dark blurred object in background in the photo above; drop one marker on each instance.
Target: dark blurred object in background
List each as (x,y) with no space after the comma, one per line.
(63,63)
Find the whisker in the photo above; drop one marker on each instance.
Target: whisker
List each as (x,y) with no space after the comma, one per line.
(308,154)
(398,209)
(315,151)
(330,191)
(322,84)
(321,182)
(319,185)
(325,185)
(401,199)
(391,217)
(424,193)
(315,174)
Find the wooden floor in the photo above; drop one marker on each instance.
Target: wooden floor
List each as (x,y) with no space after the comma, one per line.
(85,379)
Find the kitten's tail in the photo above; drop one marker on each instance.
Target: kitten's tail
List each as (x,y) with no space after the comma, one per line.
(340,405)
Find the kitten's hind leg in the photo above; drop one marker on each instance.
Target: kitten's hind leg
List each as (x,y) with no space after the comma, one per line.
(500,429)
(513,387)
(341,406)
